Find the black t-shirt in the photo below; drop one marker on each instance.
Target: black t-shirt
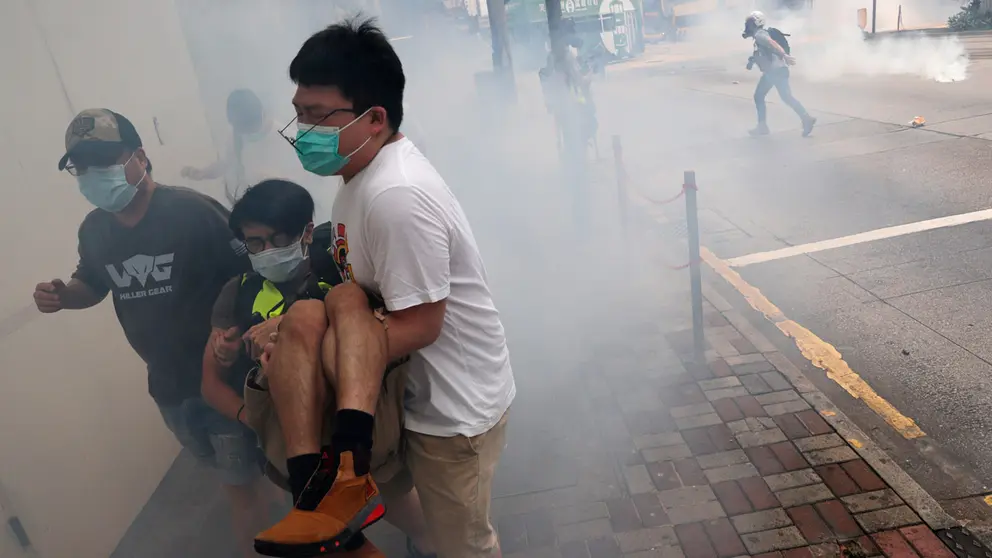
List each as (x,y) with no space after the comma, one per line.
(164,275)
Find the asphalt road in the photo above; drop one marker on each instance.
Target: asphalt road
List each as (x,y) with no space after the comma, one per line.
(910,314)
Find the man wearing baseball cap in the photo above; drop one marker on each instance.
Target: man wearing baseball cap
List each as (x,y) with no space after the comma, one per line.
(162,253)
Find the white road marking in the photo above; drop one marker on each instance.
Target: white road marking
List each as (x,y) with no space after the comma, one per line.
(868,236)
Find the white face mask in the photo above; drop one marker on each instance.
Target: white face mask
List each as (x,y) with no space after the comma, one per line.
(278,264)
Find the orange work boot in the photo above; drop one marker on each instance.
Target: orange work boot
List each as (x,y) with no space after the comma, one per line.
(335,506)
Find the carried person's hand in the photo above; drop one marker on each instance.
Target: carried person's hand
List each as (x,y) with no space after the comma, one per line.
(226,345)
(790,60)
(259,335)
(48,296)
(267,350)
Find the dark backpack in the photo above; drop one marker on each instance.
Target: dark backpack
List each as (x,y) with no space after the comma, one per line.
(325,268)
(780,38)
(322,263)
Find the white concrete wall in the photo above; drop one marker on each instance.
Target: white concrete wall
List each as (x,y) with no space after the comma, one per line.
(250,44)
(82,445)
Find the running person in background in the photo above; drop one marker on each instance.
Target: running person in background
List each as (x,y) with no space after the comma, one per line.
(163,254)
(256,152)
(774,62)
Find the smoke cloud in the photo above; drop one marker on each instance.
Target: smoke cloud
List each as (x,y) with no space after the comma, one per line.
(829,43)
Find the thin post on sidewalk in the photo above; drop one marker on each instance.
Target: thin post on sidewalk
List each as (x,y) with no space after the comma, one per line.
(621,184)
(874,12)
(695,276)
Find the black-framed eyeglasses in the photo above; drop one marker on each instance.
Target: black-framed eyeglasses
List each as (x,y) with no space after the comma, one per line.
(105,162)
(257,244)
(292,140)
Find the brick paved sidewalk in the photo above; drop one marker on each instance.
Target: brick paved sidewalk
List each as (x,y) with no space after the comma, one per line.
(733,461)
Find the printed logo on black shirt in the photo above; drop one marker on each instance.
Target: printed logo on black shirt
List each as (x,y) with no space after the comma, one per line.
(142,267)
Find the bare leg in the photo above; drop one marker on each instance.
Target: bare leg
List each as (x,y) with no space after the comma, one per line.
(355,356)
(347,343)
(295,382)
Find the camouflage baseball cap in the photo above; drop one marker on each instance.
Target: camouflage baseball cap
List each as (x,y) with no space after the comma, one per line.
(93,126)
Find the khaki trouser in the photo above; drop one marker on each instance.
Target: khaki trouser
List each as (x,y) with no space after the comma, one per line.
(454,477)
(388,469)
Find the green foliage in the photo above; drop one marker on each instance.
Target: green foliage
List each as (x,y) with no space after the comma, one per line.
(970,18)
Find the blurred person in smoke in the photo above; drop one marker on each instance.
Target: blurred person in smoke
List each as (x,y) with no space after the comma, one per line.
(293,261)
(774,62)
(400,233)
(256,152)
(567,93)
(163,253)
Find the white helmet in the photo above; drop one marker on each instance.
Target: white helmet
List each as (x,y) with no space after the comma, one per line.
(757,17)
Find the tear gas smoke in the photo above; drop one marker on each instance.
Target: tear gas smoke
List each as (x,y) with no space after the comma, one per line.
(829,44)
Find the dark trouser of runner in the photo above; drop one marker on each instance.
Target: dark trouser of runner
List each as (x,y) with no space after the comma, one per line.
(779,79)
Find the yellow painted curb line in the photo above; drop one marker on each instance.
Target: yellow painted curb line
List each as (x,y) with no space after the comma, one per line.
(822,354)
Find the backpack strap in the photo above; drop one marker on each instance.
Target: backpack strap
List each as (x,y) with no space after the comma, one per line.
(251,285)
(322,258)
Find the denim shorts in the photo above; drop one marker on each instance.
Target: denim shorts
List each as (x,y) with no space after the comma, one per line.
(216,441)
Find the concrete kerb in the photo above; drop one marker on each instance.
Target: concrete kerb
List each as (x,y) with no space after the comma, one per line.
(926,32)
(932,513)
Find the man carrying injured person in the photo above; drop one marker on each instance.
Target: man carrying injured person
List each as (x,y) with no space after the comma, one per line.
(400,233)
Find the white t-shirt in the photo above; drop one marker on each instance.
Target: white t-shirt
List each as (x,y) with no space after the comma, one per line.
(406,237)
(269,155)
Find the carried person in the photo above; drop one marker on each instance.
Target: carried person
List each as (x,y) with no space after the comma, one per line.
(293,263)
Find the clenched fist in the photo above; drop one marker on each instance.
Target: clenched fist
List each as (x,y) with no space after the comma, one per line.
(226,345)
(48,296)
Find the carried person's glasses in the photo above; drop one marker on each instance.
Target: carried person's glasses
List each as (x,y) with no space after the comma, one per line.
(257,244)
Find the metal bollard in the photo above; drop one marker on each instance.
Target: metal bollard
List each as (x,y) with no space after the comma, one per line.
(695,278)
(621,184)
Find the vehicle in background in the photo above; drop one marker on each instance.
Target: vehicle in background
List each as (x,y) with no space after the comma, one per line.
(611,28)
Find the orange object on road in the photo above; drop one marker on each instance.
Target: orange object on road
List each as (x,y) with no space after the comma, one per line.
(918,121)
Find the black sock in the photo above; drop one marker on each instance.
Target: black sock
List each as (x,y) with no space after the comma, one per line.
(353,432)
(301,468)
